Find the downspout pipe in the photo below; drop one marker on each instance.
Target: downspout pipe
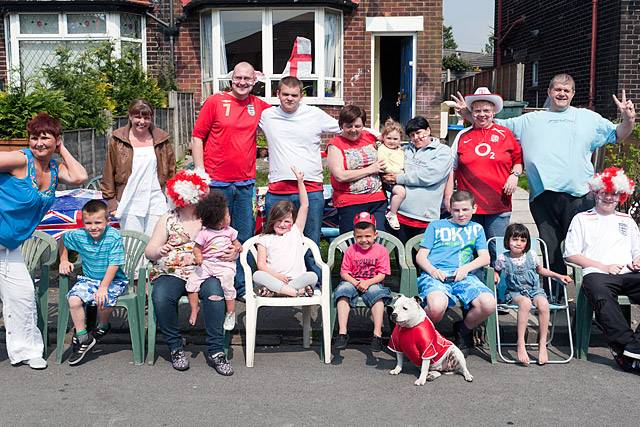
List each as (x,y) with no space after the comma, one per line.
(498,36)
(592,65)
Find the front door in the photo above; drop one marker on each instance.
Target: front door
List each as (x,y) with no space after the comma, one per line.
(393,89)
(405,94)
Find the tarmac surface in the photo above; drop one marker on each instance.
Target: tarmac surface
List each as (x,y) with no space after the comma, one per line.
(291,386)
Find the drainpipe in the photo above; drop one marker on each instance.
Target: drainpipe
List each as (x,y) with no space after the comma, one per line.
(498,35)
(592,66)
(171,38)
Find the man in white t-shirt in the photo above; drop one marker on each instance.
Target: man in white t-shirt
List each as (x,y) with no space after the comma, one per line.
(606,244)
(293,131)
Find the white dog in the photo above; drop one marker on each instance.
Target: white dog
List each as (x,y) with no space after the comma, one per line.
(417,338)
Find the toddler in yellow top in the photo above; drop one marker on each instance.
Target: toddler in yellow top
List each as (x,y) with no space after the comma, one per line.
(393,155)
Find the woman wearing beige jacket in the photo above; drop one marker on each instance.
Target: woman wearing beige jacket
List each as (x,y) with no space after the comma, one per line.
(140,160)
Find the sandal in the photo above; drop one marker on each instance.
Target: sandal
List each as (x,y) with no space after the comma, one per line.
(308,291)
(264,292)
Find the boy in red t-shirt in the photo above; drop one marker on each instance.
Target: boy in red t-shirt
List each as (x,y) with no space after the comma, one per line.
(364,266)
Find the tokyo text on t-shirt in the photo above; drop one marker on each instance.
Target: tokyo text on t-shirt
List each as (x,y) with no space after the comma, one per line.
(452,245)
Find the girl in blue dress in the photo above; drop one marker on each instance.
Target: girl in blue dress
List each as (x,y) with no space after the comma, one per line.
(522,271)
(28,181)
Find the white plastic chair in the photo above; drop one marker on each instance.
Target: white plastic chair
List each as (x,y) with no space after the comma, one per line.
(558,301)
(254,302)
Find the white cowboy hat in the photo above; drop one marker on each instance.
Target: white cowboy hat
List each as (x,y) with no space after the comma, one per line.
(483,94)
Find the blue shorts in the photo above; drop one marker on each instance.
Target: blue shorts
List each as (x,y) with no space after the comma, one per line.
(372,295)
(85,289)
(465,290)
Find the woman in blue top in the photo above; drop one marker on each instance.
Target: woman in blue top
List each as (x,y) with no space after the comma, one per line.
(28,180)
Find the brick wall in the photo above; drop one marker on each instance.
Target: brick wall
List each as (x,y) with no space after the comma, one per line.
(629,60)
(158,45)
(558,35)
(357,53)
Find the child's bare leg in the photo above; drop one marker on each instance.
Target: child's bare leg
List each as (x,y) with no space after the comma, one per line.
(542,304)
(195,307)
(230,304)
(343,309)
(76,308)
(398,194)
(377,313)
(524,306)
(482,307)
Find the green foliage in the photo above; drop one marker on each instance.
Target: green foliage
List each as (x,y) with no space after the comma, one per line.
(448,42)
(96,82)
(488,46)
(625,155)
(17,107)
(83,86)
(127,80)
(261,140)
(454,63)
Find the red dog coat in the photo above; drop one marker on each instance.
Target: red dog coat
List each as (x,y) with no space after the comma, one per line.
(422,341)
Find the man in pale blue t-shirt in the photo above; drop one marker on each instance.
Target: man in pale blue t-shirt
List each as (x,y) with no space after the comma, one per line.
(557,145)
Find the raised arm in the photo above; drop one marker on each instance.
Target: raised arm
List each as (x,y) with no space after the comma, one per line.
(12,160)
(301,218)
(71,171)
(461,107)
(628,113)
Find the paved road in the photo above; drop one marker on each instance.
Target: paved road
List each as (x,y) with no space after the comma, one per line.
(290,386)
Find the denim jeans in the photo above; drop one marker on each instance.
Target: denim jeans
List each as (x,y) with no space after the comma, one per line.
(314,219)
(240,201)
(494,225)
(166,294)
(347,213)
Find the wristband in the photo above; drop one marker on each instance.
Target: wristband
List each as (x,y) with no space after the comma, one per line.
(516,174)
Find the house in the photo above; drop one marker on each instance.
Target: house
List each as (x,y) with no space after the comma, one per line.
(479,61)
(594,41)
(383,55)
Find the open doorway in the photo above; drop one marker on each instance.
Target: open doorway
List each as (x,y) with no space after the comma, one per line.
(393,81)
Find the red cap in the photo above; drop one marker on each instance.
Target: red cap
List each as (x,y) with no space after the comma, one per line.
(364,217)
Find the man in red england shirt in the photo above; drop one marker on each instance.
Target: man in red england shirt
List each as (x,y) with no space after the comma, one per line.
(224,144)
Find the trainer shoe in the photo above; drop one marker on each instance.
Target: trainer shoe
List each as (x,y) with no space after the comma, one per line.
(341,341)
(220,363)
(376,344)
(229,321)
(632,350)
(80,349)
(37,363)
(392,219)
(99,332)
(178,360)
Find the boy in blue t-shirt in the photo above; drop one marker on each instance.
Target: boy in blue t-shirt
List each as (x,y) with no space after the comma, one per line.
(446,259)
(103,280)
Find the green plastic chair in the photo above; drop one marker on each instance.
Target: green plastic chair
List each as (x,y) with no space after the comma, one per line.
(584,314)
(411,247)
(393,245)
(93,183)
(134,244)
(41,250)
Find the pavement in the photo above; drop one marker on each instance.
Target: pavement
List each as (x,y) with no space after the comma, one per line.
(291,386)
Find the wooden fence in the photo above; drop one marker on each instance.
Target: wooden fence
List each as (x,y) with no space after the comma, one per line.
(507,80)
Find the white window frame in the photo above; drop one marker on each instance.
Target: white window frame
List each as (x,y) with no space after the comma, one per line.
(112,34)
(267,54)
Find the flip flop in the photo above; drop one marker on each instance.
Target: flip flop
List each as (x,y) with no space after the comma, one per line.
(264,292)
(308,291)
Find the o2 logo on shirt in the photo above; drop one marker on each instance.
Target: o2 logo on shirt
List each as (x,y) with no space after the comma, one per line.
(483,149)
